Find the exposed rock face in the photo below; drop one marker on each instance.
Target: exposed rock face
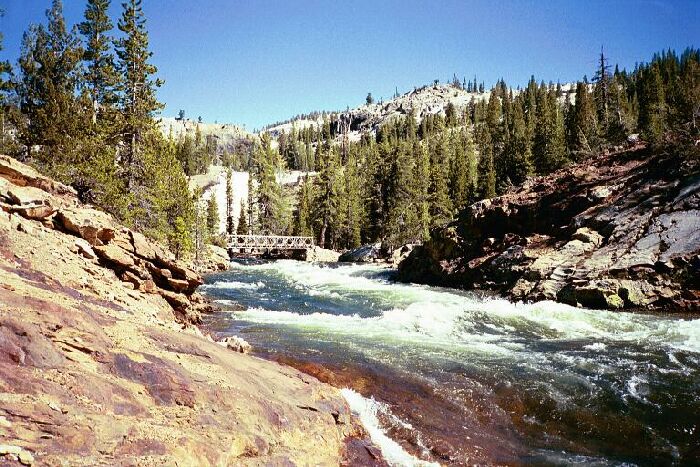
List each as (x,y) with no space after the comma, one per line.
(619,231)
(323,255)
(214,259)
(364,254)
(237,344)
(94,369)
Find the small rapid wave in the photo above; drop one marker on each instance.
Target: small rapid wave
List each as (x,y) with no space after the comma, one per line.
(547,366)
(367,410)
(234,285)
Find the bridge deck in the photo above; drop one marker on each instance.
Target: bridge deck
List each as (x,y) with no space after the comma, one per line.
(269,242)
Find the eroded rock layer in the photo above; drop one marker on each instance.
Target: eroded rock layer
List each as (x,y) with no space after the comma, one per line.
(100,365)
(619,231)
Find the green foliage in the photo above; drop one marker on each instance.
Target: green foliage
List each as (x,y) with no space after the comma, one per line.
(549,145)
(518,151)
(50,67)
(274,211)
(101,76)
(652,104)
(137,90)
(302,219)
(325,210)
(486,171)
(242,228)
(229,202)
(582,130)
(212,216)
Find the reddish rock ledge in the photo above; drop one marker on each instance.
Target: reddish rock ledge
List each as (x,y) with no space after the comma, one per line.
(100,363)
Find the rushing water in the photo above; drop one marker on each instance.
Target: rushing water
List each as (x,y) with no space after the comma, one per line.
(454,378)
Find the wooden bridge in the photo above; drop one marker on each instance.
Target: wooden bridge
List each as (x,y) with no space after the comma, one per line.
(259,244)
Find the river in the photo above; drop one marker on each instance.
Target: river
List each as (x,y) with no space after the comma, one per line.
(440,376)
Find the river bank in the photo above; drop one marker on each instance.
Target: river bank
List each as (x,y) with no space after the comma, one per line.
(458,378)
(100,362)
(620,230)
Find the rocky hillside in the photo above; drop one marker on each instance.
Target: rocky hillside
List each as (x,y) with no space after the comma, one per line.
(227,136)
(426,100)
(99,363)
(619,231)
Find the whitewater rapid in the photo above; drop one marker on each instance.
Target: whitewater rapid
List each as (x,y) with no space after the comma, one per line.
(565,354)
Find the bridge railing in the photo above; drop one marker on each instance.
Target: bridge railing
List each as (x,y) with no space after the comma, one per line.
(270,242)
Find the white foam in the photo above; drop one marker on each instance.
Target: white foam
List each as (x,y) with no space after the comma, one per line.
(366,410)
(598,346)
(234,285)
(440,317)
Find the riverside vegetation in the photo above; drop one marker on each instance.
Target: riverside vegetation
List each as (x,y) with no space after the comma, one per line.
(471,182)
(81,106)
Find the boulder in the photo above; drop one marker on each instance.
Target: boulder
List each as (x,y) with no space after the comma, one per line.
(178,285)
(176,300)
(84,248)
(94,226)
(143,248)
(115,256)
(599,193)
(35,212)
(130,277)
(235,343)
(602,294)
(122,239)
(363,254)
(401,253)
(179,270)
(24,175)
(26,196)
(586,235)
(323,255)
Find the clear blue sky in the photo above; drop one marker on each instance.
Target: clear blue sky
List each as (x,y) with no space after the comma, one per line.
(255,62)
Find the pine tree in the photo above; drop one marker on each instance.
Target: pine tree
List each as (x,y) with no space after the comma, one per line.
(325,208)
(652,104)
(302,221)
(137,90)
(242,228)
(519,154)
(602,94)
(463,170)
(50,66)
(486,169)
(621,121)
(582,132)
(354,214)
(212,216)
(441,208)
(101,77)
(549,145)
(271,205)
(229,202)
(421,177)
(6,86)
(402,217)
(689,102)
